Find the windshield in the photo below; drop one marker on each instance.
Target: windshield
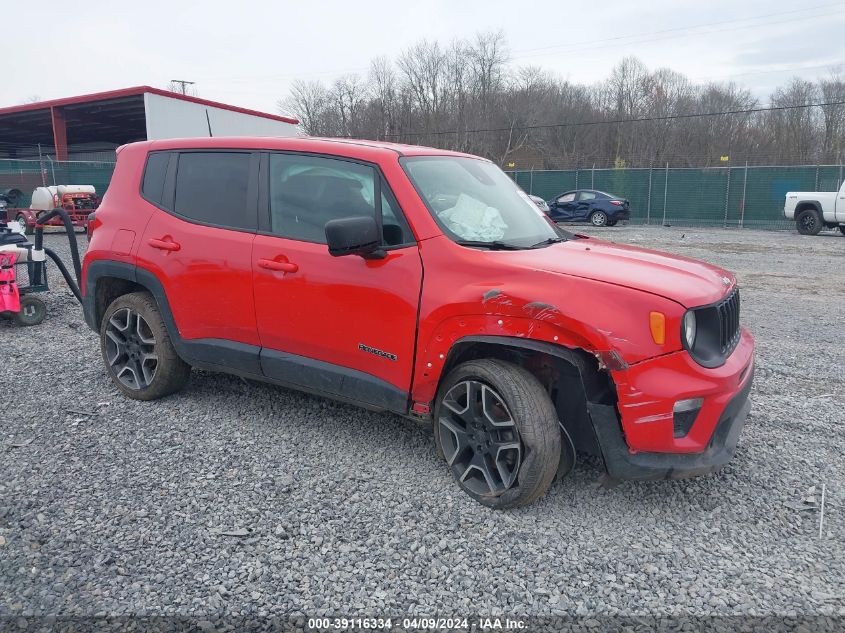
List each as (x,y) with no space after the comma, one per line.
(476,204)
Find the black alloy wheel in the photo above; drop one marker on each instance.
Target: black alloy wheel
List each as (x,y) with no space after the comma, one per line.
(498,430)
(809,222)
(479,438)
(130,349)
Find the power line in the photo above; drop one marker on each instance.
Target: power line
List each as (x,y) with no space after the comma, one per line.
(615,121)
(645,38)
(532,52)
(829,65)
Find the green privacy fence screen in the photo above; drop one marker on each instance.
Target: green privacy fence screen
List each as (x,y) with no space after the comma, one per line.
(750,197)
(26,175)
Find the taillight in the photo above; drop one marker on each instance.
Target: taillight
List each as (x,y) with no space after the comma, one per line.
(89,226)
(618,203)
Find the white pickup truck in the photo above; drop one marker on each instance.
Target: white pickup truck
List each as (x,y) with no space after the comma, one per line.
(814,210)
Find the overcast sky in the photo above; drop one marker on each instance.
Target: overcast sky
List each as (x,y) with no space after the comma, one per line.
(247,53)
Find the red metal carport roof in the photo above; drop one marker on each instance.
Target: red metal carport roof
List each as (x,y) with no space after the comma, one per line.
(135,91)
(115,117)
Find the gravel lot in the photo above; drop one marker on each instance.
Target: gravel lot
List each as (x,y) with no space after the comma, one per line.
(111,506)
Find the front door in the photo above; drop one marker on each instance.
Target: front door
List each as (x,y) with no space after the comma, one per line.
(342,326)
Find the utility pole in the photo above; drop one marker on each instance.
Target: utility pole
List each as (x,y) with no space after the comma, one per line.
(183,84)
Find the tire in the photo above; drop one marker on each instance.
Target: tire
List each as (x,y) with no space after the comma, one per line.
(485,403)
(612,222)
(808,222)
(138,353)
(27,229)
(842,228)
(598,218)
(33,311)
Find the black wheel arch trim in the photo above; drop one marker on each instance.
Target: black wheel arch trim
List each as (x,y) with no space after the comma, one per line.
(808,205)
(233,357)
(574,398)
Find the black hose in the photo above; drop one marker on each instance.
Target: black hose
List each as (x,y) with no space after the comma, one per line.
(74,288)
(71,236)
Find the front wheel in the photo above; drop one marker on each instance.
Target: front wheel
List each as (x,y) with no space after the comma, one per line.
(139,356)
(598,218)
(498,430)
(808,222)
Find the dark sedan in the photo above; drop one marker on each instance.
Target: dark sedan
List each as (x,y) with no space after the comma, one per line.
(588,205)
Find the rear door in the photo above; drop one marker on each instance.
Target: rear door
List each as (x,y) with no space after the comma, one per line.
(585,204)
(199,246)
(339,325)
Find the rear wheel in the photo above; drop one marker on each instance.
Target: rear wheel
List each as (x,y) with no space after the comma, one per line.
(498,430)
(808,222)
(598,218)
(139,356)
(33,311)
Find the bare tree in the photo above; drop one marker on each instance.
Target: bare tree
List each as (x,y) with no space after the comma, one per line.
(308,101)
(384,90)
(833,91)
(183,87)
(465,96)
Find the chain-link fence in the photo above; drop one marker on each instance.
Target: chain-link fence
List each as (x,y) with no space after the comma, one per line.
(751,197)
(26,175)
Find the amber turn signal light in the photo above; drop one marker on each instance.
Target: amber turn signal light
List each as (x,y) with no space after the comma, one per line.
(657,323)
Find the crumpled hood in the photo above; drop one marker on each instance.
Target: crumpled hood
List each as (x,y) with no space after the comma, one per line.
(687,281)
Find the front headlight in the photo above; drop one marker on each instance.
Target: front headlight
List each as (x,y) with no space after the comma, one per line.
(689,328)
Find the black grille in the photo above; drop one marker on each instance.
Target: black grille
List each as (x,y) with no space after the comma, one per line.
(728,311)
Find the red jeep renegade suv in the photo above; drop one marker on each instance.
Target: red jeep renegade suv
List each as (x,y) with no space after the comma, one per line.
(421,282)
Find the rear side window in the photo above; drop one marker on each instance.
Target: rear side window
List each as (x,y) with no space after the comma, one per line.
(211,188)
(154,174)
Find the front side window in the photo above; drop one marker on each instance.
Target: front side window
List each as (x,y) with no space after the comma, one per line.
(567,197)
(308,191)
(211,188)
(476,204)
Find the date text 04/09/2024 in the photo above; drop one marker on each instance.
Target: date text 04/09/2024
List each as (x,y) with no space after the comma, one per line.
(417,623)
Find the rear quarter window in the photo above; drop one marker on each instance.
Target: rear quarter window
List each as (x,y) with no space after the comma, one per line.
(155,171)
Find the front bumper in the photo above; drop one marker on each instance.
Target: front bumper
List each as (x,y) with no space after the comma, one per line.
(637,437)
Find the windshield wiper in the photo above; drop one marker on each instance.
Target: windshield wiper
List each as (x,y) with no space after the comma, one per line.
(546,242)
(495,245)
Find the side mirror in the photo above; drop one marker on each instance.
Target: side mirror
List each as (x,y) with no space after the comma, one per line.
(358,235)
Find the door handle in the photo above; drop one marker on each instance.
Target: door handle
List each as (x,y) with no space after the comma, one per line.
(164,245)
(284,267)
